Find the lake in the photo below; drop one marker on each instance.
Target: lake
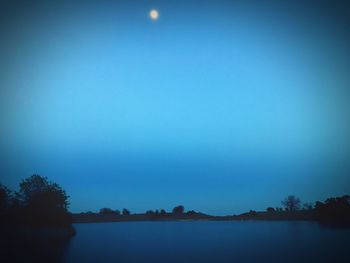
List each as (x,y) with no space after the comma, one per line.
(208,241)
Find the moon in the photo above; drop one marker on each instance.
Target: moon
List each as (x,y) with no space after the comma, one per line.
(154,14)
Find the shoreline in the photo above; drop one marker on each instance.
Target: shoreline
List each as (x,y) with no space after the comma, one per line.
(302,215)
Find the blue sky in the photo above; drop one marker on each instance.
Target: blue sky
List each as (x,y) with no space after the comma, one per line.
(219,106)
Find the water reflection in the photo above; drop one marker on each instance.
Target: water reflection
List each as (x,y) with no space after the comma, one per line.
(200,241)
(20,247)
(208,242)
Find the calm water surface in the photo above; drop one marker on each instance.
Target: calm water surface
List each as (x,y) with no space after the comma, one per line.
(207,241)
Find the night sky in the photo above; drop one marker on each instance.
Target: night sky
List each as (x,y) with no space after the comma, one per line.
(222,106)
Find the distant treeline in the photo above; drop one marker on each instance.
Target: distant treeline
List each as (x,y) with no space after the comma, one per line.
(110,215)
(176,210)
(332,210)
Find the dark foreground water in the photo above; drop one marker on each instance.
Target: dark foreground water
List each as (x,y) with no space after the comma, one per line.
(203,241)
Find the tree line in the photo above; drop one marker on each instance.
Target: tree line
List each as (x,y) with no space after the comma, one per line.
(40,202)
(332,210)
(180,209)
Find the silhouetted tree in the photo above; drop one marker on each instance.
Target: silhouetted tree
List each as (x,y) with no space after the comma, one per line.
(162,211)
(37,191)
(252,212)
(291,203)
(126,212)
(191,213)
(335,209)
(107,211)
(43,202)
(307,206)
(5,197)
(88,212)
(178,209)
(117,212)
(149,212)
(270,209)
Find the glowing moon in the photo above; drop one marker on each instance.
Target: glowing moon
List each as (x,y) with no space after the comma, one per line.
(154,14)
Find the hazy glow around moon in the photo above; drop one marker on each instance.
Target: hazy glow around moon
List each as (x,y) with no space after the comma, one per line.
(154,14)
